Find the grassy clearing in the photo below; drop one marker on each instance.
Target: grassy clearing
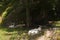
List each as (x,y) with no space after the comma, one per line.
(19,34)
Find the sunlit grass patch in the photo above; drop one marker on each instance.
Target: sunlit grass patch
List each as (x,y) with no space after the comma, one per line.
(57,35)
(1,4)
(57,23)
(2,36)
(12,34)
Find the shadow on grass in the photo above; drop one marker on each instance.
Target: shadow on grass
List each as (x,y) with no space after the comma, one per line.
(14,32)
(13,29)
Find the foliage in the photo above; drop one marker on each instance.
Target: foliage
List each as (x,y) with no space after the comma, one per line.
(33,10)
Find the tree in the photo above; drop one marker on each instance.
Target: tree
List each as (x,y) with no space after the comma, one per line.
(29,11)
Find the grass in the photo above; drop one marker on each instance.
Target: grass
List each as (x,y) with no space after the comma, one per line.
(18,34)
(57,23)
(57,35)
(12,34)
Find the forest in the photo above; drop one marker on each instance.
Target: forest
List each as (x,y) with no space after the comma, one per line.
(20,18)
(29,11)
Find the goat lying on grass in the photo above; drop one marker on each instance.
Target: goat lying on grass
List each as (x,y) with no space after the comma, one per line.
(34,31)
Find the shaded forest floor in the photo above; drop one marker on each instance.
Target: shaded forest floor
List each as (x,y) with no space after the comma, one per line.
(21,34)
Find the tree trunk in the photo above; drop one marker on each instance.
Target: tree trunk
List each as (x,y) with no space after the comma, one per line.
(27,14)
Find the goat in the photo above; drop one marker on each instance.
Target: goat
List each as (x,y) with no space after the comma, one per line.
(34,31)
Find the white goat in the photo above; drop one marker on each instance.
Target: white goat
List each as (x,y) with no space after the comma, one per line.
(34,31)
